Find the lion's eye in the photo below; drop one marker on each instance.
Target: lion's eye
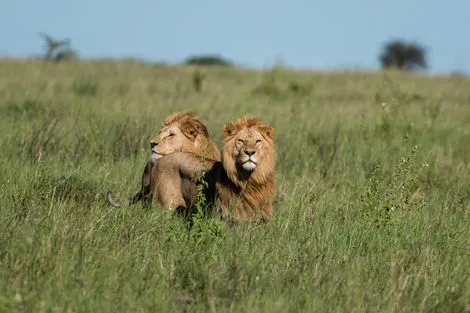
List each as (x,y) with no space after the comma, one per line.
(171,135)
(240,141)
(258,140)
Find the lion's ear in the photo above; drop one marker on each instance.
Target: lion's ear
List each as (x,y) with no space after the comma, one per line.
(268,130)
(190,132)
(228,130)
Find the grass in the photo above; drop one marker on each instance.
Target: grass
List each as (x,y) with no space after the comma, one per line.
(371,213)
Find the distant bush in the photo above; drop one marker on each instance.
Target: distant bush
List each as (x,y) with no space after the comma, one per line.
(66,55)
(403,56)
(207,60)
(58,50)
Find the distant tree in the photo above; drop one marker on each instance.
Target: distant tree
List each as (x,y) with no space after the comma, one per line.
(207,60)
(58,50)
(404,56)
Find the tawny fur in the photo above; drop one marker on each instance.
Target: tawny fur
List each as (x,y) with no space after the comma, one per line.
(242,195)
(201,142)
(189,135)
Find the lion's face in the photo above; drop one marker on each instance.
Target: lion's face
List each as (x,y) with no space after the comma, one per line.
(248,148)
(183,132)
(170,139)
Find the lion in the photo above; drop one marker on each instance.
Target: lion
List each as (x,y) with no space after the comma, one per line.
(181,131)
(242,183)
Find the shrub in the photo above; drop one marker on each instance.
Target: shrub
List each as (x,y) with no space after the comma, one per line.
(207,60)
(404,56)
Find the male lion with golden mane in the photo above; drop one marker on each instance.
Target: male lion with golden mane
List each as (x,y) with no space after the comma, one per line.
(243,183)
(181,131)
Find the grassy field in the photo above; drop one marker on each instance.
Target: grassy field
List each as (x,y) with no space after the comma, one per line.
(371,212)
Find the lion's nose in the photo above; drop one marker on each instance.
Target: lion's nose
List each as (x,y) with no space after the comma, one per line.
(250,152)
(153,144)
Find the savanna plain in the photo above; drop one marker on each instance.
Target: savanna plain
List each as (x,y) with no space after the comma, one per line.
(371,212)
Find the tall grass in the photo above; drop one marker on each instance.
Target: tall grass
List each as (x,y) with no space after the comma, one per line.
(371,212)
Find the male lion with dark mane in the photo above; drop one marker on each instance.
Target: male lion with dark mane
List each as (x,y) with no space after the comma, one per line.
(243,183)
(181,131)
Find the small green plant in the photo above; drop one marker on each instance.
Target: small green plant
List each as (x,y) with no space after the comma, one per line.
(268,85)
(393,100)
(299,89)
(28,108)
(200,227)
(42,140)
(327,148)
(85,87)
(433,110)
(385,125)
(388,203)
(198,79)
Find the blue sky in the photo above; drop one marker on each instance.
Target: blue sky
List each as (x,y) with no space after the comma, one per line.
(302,33)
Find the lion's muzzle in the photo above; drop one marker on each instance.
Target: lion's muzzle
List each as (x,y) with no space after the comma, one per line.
(155,155)
(249,163)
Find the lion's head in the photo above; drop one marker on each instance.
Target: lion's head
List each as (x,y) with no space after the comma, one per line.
(248,151)
(183,131)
